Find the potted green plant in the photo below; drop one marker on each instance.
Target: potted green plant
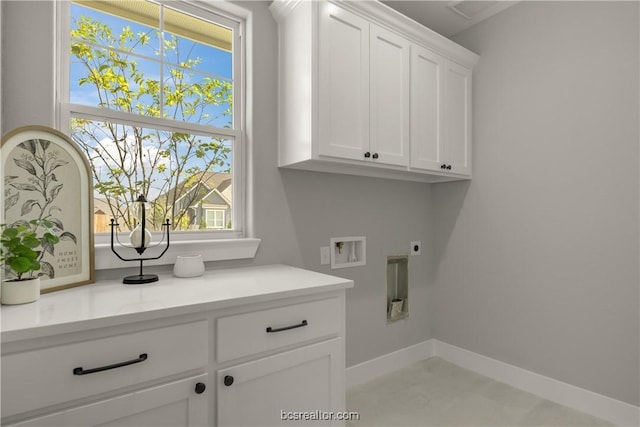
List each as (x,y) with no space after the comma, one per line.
(21,259)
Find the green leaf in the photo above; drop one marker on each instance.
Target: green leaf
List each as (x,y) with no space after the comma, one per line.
(23,251)
(31,242)
(50,238)
(9,233)
(19,264)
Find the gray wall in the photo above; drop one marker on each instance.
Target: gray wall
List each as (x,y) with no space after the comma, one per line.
(534,262)
(537,258)
(295,213)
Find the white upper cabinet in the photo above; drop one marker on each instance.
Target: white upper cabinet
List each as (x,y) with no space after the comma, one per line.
(364,90)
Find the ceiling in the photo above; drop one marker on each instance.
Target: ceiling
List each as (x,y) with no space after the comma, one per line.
(438,16)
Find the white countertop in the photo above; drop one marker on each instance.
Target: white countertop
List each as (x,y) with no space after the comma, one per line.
(108,303)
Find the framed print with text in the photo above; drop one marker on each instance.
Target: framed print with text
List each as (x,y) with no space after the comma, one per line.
(45,176)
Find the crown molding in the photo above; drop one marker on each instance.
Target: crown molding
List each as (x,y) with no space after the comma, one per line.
(383,15)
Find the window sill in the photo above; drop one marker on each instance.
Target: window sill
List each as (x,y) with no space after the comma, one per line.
(211,250)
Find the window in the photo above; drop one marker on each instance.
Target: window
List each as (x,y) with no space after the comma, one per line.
(151,93)
(215,218)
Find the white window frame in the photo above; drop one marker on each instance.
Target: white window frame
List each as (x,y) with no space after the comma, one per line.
(214,245)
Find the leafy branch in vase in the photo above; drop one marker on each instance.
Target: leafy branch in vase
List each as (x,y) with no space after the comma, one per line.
(41,189)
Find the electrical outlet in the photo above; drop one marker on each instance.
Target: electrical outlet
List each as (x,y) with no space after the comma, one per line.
(415,248)
(325,255)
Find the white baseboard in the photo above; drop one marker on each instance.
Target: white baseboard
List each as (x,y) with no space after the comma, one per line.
(597,405)
(374,368)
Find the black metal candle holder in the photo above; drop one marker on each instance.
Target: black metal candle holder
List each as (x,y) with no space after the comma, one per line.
(141,248)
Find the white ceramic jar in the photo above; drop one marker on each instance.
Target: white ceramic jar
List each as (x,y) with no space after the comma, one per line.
(188,266)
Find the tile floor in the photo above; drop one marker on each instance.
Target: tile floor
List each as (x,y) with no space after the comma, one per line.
(435,392)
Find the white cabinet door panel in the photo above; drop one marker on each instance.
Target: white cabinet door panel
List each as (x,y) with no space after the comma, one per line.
(426,108)
(272,390)
(389,97)
(170,405)
(458,118)
(343,83)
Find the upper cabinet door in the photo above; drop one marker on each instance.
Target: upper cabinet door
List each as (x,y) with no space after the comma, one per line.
(389,97)
(343,86)
(427,136)
(458,118)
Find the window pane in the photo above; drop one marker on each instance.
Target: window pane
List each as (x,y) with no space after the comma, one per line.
(131,26)
(181,174)
(116,62)
(215,218)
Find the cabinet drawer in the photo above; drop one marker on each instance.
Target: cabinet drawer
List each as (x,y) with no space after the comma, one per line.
(39,378)
(252,333)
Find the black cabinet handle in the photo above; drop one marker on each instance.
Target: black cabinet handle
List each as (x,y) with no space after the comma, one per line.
(228,380)
(200,388)
(286,328)
(82,371)
(375,155)
(443,166)
(367,155)
(448,167)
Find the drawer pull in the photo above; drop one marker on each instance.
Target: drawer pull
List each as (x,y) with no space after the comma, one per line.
(81,371)
(286,328)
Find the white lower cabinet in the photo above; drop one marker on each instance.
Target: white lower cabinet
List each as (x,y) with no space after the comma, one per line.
(286,365)
(294,387)
(249,365)
(179,403)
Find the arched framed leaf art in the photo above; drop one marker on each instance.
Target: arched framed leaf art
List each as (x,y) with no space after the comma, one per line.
(47,187)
